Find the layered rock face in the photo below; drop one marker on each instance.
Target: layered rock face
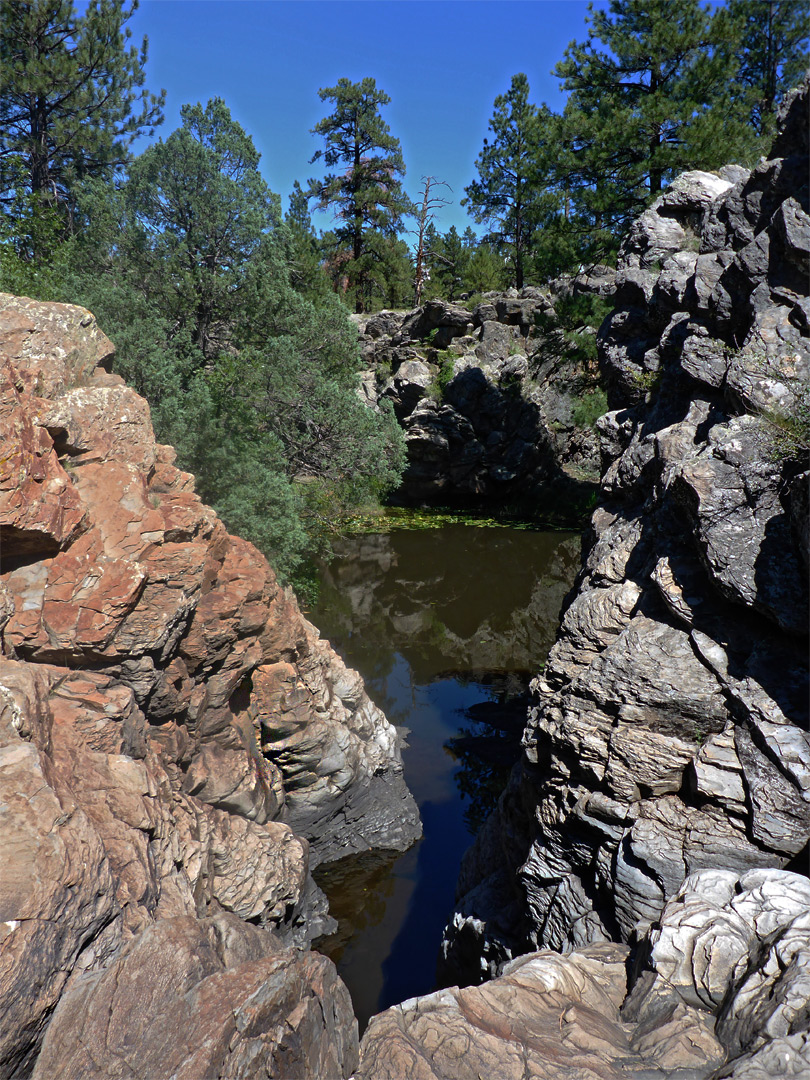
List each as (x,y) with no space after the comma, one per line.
(486,397)
(721,991)
(669,731)
(174,733)
(668,734)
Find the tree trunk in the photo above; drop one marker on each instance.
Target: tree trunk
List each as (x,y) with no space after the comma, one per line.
(357,238)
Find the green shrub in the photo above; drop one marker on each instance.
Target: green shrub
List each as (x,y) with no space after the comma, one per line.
(788,431)
(445,359)
(589,408)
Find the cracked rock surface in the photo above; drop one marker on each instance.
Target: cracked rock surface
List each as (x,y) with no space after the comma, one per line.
(668,734)
(177,748)
(718,989)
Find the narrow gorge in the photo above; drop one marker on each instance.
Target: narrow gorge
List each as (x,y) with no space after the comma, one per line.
(181,748)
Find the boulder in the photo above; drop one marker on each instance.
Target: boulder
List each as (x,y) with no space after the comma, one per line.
(719,988)
(216,996)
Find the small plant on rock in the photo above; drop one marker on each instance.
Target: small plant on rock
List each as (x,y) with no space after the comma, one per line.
(589,408)
(788,430)
(447,369)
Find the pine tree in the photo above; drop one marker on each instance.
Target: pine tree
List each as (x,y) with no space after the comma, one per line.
(448,259)
(367,195)
(502,196)
(254,380)
(485,269)
(304,252)
(199,211)
(654,100)
(773,50)
(71,100)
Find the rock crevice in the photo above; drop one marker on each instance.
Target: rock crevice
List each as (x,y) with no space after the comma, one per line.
(665,782)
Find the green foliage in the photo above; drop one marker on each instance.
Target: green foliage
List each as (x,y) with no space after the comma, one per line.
(445,375)
(307,273)
(582,309)
(577,317)
(366,194)
(485,270)
(187,268)
(506,187)
(647,382)
(447,258)
(71,102)
(789,431)
(651,94)
(589,407)
(197,211)
(772,45)
(34,226)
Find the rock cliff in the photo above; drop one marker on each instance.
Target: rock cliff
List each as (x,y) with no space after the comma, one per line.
(487,399)
(668,736)
(178,748)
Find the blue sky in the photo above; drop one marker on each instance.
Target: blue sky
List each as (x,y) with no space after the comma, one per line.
(441,62)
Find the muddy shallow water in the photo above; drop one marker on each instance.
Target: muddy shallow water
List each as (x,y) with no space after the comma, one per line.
(446,625)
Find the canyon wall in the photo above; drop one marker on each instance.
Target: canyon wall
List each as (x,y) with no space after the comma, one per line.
(662,804)
(178,749)
(489,399)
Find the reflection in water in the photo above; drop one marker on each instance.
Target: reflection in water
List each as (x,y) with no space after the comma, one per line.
(446,626)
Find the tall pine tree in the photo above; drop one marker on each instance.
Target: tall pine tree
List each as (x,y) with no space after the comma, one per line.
(71,102)
(502,196)
(773,51)
(199,210)
(366,194)
(650,95)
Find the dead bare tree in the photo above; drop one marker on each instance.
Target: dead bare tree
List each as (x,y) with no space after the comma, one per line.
(427,213)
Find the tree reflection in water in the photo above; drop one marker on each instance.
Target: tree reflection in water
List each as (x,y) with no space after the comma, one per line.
(446,626)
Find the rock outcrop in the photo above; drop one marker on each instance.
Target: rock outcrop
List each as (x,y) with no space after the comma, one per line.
(720,990)
(669,730)
(488,399)
(177,748)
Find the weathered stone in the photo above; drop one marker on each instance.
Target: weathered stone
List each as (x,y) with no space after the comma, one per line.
(668,732)
(546,1017)
(40,508)
(719,988)
(56,888)
(501,425)
(496,340)
(137,800)
(217,998)
(53,347)
(407,387)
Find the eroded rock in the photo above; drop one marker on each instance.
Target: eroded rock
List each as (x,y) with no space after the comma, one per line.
(719,988)
(668,734)
(151,800)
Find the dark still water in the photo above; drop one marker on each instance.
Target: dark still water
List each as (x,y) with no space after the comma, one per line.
(446,625)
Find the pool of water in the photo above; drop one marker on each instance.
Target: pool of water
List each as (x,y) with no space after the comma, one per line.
(446,626)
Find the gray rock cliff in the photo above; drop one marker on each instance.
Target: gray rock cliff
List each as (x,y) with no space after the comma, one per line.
(669,730)
(488,397)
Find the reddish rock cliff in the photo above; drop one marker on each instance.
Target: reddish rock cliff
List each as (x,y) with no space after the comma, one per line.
(169,723)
